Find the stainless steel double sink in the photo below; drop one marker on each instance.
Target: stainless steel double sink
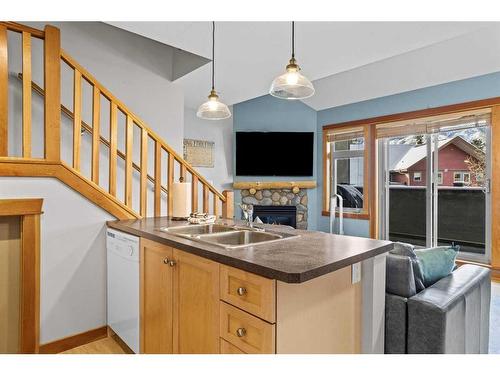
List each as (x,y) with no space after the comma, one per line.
(229,237)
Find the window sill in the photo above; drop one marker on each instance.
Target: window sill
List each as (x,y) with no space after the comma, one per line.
(350,215)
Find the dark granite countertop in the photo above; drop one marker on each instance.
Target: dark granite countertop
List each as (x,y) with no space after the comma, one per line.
(294,260)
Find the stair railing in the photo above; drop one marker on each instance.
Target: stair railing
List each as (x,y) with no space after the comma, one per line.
(213,201)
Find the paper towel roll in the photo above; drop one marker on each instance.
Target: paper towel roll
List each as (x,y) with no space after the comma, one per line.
(181,203)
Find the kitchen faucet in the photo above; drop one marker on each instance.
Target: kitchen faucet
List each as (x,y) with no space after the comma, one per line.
(247,213)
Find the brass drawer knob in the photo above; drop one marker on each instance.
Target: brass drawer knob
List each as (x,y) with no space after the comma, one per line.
(240,332)
(166,261)
(241,291)
(172,263)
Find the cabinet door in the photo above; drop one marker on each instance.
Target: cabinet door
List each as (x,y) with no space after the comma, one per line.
(196,304)
(156,297)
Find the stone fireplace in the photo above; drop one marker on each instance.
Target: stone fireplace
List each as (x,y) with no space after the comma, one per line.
(280,198)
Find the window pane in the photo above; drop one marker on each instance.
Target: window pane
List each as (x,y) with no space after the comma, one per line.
(351,144)
(350,174)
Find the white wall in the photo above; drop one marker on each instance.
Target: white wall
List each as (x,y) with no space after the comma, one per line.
(73,256)
(220,132)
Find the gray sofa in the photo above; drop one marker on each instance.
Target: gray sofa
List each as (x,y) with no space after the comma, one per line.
(450,316)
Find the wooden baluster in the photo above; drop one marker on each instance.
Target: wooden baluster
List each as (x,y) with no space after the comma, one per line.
(144,173)
(52,79)
(228,205)
(4,93)
(157,204)
(205,198)
(194,193)
(26,56)
(216,205)
(170,181)
(77,119)
(96,132)
(183,172)
(113,135)
(129,136)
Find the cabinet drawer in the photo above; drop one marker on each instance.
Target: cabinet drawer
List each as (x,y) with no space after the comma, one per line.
(228,348)
(249,292)
(248,333)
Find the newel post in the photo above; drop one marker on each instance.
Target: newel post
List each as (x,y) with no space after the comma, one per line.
(228,205)
(52,75)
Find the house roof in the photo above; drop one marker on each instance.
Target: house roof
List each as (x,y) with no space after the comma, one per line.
(404,156)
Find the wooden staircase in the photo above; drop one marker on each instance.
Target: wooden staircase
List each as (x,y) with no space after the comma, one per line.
(164,161)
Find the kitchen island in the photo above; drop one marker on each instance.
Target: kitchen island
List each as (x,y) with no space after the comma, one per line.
(310,293)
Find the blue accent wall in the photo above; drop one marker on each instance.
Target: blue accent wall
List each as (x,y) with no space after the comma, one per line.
(476,88)
(267,113)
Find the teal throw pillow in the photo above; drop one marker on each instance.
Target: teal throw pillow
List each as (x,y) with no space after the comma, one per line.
(436,262)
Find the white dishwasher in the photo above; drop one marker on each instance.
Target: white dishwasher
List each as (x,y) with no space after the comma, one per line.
(123,286)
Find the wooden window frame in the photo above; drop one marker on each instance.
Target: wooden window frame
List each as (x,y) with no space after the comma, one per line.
(368,170)
(491,103)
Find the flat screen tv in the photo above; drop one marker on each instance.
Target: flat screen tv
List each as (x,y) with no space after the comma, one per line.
(274,153)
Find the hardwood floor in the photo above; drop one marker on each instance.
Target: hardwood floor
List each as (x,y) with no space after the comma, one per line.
(104,346)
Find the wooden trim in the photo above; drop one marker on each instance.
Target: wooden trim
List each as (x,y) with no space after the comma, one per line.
(228,205)
(77,118)
(13,167)
(144,174)
(29,210)
(367,175)
(258,185)
(215,204)
(372,180)
(113,142)
(96,131)
(30,293)
(194,193)
(26,62)
(74,341)
(495,187)
(19,28)
(4,93)
(157,180)
(129,136)
(19,207)
(427,112)
(52,79)
(349,215)
(170,181)
(205,199)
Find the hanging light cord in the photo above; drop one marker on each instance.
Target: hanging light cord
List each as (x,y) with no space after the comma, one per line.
(293,39)
(213,55)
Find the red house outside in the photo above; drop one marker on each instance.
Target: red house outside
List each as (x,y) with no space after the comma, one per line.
(453,168)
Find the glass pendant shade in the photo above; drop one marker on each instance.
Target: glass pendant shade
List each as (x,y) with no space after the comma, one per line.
(292,85)
(213,109)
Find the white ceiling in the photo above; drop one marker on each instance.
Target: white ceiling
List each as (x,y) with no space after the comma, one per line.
(348,61)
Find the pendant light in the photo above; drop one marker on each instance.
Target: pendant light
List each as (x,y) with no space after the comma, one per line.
(213,109)
(292,85)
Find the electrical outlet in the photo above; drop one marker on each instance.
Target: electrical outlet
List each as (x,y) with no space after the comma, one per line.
(356,273)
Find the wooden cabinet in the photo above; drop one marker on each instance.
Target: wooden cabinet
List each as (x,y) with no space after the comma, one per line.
(190,304)
(245,331)
(249,292)
(196,304)
(228,348)
(179,301)
(156,276)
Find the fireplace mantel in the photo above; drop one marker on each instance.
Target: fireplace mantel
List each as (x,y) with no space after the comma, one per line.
(260,185)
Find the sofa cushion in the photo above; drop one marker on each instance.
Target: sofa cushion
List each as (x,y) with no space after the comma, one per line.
(436,262)
(408,250)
